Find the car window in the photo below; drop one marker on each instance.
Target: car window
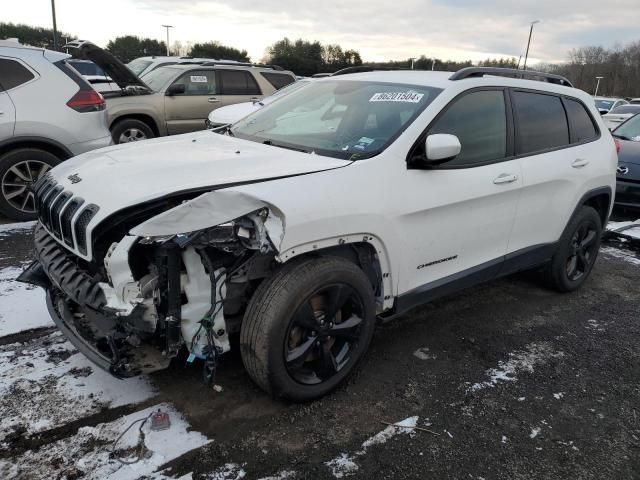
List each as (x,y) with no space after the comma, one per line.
(237,82)
(12,74)
(625,109)
(198,82)
(541,120)
(278,80)
(479,121)
(138,65)
(604,104)
(580,122)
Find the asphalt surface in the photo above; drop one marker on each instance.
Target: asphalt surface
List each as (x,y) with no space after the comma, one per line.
(513,381)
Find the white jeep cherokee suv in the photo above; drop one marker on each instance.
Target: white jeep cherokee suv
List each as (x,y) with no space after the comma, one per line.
(357,197)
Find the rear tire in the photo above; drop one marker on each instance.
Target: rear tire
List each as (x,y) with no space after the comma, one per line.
(577,251)
(19,171)
(292,345)
(130,130)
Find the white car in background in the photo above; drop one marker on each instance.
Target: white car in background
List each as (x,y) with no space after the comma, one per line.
(93,74)
(606,104)
(232,113)
(143,65)
(620,114)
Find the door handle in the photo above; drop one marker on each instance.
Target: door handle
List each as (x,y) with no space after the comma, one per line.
(213,100)
(255,99)
(505,178)
(579,163)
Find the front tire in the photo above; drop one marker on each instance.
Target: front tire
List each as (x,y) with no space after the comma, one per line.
(307,327)
(130,130)
(576,253)
(19,171)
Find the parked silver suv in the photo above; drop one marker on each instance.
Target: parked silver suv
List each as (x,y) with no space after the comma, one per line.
(48,113)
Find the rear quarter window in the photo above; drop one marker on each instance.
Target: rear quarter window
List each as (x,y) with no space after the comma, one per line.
(278,80)
(541,122)
(581,125)
(13,74)
(237,82)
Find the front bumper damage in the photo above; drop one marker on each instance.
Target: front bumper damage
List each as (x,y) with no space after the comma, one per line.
(149,297)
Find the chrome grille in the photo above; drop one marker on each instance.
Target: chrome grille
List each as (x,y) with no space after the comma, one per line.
(62,214)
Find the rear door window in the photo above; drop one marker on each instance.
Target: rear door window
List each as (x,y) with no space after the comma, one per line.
(541,122)
(13,74)
(237,82)
(581,126)
(479,121)
(278,80)
(198,82)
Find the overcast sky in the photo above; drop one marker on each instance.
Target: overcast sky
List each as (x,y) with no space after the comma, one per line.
(379,30)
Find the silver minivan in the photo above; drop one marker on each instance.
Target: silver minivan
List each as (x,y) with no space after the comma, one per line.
(48,113)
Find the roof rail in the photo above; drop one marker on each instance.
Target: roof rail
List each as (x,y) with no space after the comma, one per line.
(470,72)
(241,64)
(364,68)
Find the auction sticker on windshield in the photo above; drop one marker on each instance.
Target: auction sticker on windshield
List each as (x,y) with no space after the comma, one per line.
(410,97)
(199,78)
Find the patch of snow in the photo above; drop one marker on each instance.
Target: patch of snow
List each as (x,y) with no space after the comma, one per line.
(342,466)
(522,399)
(87,453)
(46,383)
(622,254)
(594,325)
(21,227)
(284,475)
(504,439)
(632,232)
(534,432)
(22,306)
(521,361)
(423,354)
(558,395)
(448,433)
(229,471)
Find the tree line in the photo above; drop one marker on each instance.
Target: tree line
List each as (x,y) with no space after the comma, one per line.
(619,66)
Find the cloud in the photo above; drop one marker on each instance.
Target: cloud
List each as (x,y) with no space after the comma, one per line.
(380,30)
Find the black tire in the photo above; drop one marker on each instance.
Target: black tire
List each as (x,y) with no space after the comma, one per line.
(557,274)
(269,325)
(131,128)
(19,171)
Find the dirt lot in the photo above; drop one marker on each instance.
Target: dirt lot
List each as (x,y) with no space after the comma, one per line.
(513,381)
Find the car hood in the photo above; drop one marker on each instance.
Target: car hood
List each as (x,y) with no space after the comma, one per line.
(233,113)
(113,67)
(629,152)
(126,175)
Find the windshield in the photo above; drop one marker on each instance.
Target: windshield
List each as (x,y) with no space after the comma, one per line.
(604,104)
(138,65)
(338,118)
(629,130)
(626,109)
(292,87)
(158,78)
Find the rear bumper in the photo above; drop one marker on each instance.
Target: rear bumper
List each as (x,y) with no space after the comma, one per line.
(627,194)
(82,147)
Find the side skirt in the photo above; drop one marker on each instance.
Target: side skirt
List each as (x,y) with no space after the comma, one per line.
(511,263)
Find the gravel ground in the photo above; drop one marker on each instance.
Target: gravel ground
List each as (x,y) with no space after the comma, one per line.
(507,381)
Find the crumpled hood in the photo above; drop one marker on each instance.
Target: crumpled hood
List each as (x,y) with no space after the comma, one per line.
(125,175)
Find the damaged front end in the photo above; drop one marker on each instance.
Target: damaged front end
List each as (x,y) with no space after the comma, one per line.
(152,294)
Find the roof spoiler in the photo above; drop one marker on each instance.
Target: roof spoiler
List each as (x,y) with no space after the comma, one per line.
(472,72)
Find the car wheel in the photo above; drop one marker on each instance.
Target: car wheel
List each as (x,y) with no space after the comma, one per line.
(307,327)
(19,171)
(576,253)
(131,130)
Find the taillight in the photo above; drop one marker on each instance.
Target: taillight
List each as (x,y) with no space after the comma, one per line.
(87,101)
(617,142)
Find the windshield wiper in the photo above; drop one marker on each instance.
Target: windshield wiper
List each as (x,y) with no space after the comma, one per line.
(224,129)
(296,149)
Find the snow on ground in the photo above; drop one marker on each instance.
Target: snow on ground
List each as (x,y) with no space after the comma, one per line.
(21,227)
(46,383)
(345,464)
(22,306)
(229,471)
(620,253)
(521,361)
(88,452)
(632,232)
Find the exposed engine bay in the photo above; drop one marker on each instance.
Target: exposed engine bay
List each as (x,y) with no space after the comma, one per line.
(152,295)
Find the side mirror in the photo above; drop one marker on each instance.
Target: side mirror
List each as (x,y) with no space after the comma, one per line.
(441,147)
(176,89)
